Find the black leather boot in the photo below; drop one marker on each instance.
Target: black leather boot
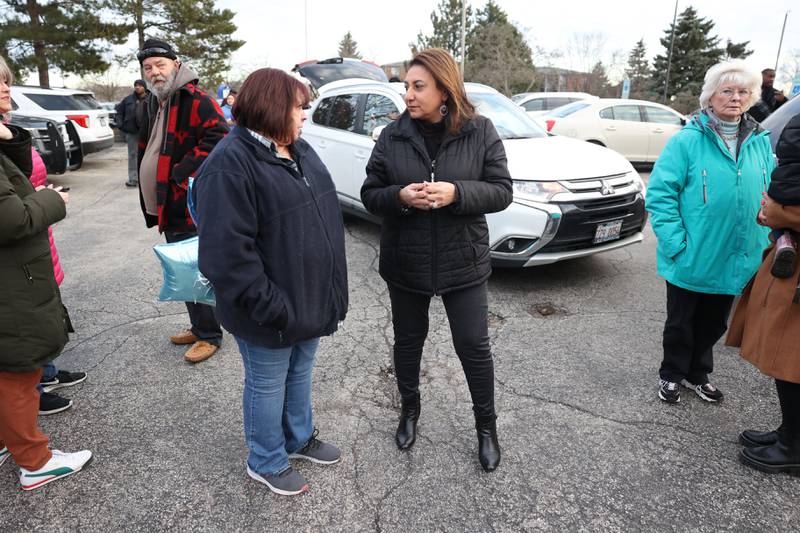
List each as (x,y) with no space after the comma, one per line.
(406,433)
(750,438)
(488,447)
(778,457)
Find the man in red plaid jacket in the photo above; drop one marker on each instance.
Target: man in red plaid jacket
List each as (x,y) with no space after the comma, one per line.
(182,127)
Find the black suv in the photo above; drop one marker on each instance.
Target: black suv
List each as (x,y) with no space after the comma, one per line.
(57,142)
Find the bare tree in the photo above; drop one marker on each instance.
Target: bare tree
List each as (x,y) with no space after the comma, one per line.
(790,68)
(584,50)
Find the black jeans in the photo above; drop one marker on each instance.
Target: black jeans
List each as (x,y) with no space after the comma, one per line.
(789,398)
(467,312)
(204,323)
(695,322)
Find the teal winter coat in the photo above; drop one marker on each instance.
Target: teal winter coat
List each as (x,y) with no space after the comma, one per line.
(703,205)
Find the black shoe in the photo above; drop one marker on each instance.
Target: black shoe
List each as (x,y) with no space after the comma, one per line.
(131,185)
(751,439)
(50,404)
(406,433)
(63,379)
(706,391)
(669,392)
(488,447)
(772,459)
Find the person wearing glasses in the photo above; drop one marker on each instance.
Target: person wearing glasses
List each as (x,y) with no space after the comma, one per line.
(183,125)
(272,246)
(703,197)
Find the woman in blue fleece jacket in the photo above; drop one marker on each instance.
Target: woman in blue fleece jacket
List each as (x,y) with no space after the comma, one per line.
(272,245)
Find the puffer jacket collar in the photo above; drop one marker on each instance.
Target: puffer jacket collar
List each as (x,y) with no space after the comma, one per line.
(706,124)
(407,130)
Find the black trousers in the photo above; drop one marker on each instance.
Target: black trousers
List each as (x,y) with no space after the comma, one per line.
(695,322)
(789,398)
(467,312)
(204,323)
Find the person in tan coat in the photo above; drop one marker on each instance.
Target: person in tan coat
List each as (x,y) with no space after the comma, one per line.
(766,323)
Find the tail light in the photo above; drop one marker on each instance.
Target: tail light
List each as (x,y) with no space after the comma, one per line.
(80,120)
(550,124)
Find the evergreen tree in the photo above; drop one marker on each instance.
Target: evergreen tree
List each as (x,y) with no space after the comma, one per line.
(695,50)
(737,50)
(201,34)
(446,29)
(69,36)
(596,82)
(638,71)
(498,54)
(348,47)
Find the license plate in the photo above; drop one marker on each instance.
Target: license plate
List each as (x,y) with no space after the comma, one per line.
(607,231)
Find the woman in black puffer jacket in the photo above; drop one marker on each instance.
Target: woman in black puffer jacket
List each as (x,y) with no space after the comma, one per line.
(432,176)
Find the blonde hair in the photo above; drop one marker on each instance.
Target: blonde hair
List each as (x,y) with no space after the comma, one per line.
(735,72)
(445,71)
(5,72)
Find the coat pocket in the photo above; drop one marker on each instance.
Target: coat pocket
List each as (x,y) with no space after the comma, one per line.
(41,286)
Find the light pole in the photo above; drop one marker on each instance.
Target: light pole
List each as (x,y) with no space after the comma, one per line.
(463,33)
(780,43)
(669,57)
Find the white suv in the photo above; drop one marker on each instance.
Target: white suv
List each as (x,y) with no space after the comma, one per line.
(571,198)
(90,119)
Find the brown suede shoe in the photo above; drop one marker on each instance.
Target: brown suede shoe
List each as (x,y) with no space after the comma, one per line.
(200,351)
(184,337)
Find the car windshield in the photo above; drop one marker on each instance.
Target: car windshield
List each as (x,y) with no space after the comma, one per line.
(518,97)
(321,73)
(509,119)
(566,110)
(88,101)
(58,102)
(777,120)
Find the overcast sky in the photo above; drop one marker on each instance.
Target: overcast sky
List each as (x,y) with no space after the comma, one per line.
(275,30)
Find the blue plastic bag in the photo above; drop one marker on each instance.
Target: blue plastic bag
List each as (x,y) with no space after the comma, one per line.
(183,281)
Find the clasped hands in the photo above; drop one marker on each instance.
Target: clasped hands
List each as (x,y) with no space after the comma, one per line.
(428,195)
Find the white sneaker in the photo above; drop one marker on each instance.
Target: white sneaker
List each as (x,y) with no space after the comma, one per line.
(4,455)
(60,465)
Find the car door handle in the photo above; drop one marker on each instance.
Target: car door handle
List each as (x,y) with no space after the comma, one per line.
(361,156)
(321,144)
(611,128)
(658,130)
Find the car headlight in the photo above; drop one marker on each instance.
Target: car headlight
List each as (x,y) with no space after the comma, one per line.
(538,191)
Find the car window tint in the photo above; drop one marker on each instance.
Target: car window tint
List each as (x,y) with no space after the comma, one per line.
(321,112)
(379,111)
(534,105)
(627,112)
(56,102)
(662,116)
(553,103)
(14,105)
(567,110)
(87,101)
(343,112)
(607,113)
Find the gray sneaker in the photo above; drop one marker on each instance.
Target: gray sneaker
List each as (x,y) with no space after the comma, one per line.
(318,452)
(286,483)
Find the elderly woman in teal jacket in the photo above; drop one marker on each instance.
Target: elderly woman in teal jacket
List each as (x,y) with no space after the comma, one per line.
(703,197)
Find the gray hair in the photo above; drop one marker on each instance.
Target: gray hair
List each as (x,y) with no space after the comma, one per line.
(5,72)
(734,72)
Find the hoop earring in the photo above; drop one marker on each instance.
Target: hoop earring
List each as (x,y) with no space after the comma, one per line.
(443,110)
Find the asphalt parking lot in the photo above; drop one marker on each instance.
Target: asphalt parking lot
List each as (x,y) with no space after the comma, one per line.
(587,446)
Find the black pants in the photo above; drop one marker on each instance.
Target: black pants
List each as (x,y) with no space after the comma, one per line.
(695,322)
(204,323)
(789,398)
(467,312)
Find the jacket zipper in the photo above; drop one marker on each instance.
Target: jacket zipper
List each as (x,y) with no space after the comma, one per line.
(764,177)
(28,274)
(705,187)
(434,263)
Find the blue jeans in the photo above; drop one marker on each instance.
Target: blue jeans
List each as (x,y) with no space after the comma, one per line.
(277,402)
(50,371)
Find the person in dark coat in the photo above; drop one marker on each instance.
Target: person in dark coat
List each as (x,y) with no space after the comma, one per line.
(33,322)
(183,126)
(272,246)
(433,175)
(130,119)
(766,324)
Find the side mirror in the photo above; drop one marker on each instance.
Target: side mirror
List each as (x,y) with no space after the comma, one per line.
(683,122)
(377,133)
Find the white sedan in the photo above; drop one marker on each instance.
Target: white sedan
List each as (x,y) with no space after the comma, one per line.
(637,129)
(571,199)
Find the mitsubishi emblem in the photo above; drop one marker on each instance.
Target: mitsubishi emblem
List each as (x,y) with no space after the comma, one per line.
(607,188)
